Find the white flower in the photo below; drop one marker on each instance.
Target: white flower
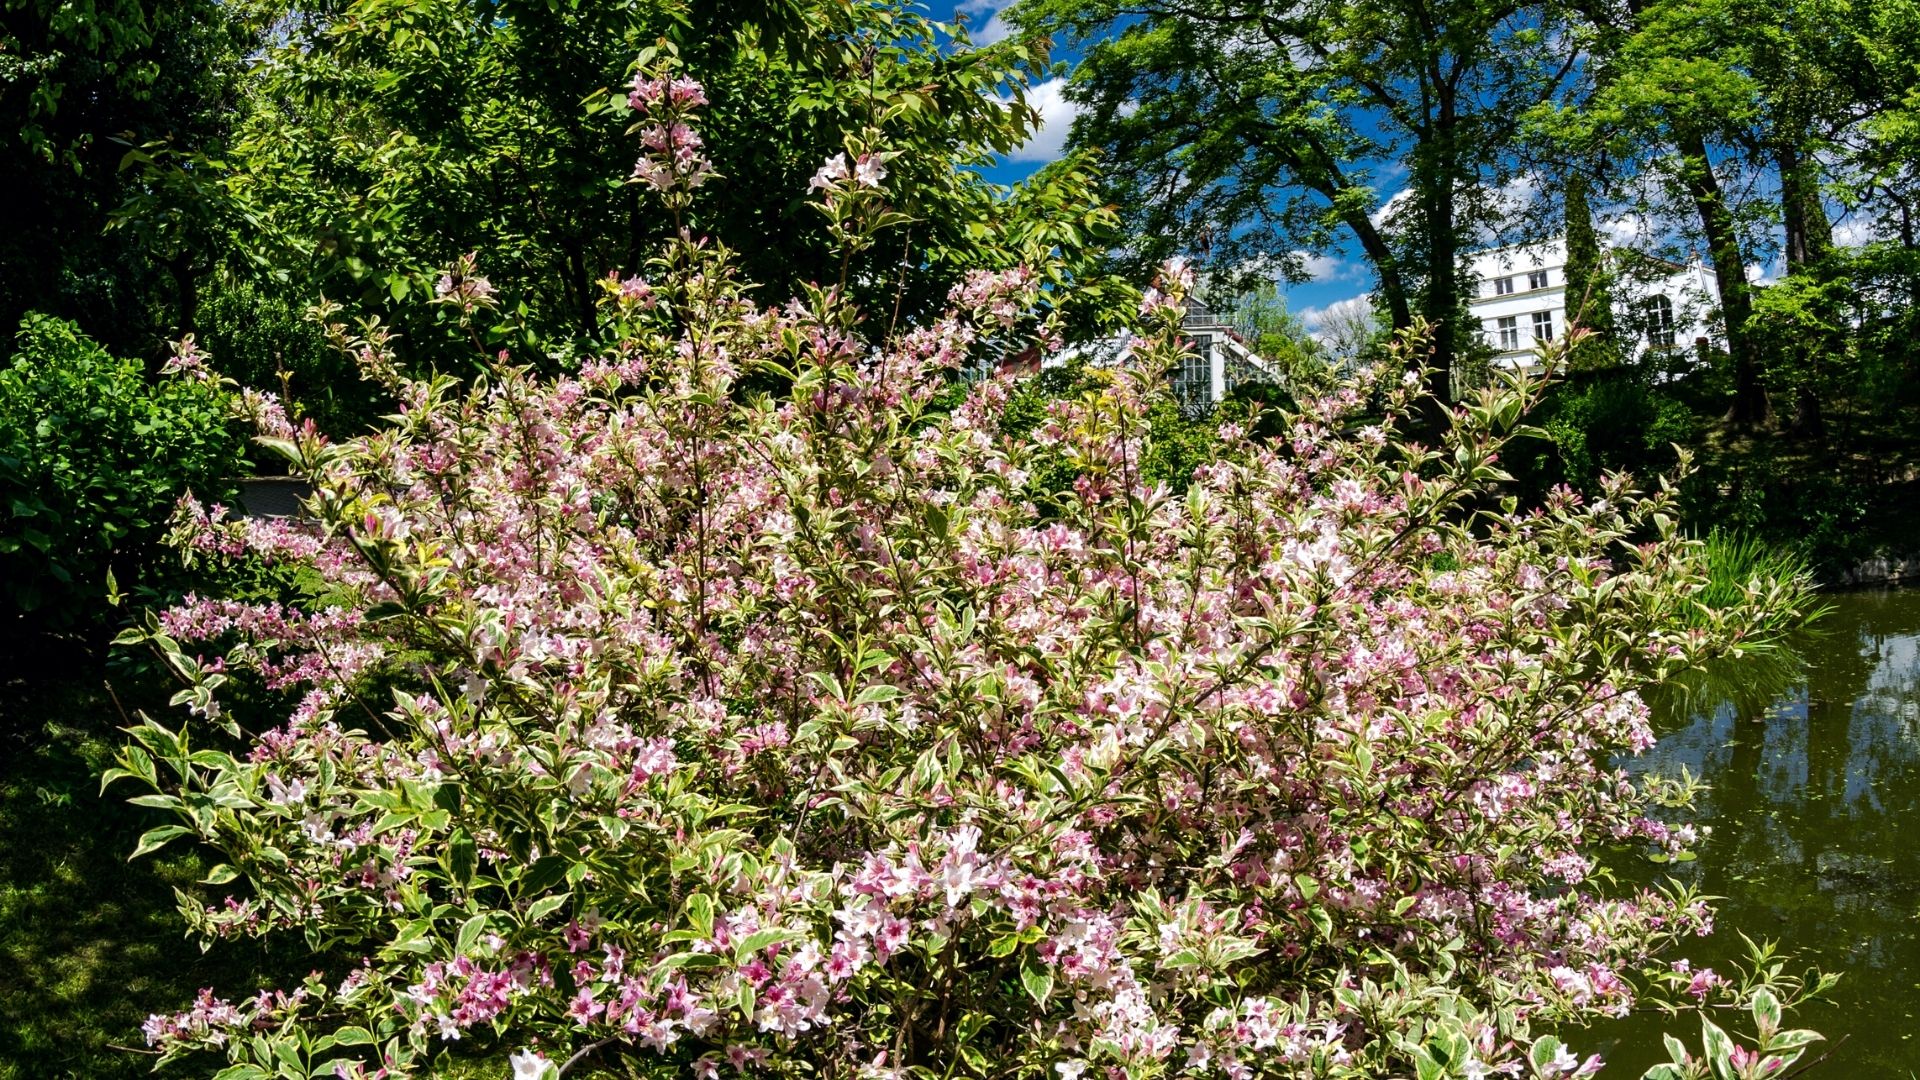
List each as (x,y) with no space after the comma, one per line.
(528,1065)
(834,170)
(869,172)
(1564,1061)
(1070,1070)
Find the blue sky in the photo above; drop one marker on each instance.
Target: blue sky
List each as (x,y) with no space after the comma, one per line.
(1336,277)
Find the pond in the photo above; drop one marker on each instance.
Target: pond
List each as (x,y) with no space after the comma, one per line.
(1815,813)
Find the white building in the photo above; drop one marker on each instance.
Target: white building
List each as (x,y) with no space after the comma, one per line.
(1218,362)
(1519,299)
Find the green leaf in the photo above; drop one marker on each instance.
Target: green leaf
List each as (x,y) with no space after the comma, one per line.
(462,857)
(156,838)
(759,940)
(469,935)
(1719,1049)
(700,913)
(1322,921)
(546,906)
(1797,1039)
(1038,981)
(1544,1050)
(1676,1050)
(690,960)
(353,1036)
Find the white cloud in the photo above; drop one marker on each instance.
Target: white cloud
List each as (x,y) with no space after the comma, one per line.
(1627,230)
(1353,307)
(1056,121)
(1384,214)
(1516,195)
(1325,267)
(1853,232)
(1342,327)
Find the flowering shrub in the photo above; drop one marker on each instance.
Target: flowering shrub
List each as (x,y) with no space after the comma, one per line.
(722,734)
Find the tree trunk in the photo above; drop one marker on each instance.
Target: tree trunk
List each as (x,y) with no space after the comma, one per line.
(1809,233)
(1393,287)
(1435,174)
(1809,238)
(1750,404)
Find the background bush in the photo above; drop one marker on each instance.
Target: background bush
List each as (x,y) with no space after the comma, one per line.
(93,455)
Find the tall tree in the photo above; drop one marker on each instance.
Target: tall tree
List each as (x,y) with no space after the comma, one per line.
(1588,289)
(80,82)
(1256,127)
(384,140)
(1739,108)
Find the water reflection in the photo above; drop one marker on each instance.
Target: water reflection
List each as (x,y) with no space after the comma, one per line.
(1814,763)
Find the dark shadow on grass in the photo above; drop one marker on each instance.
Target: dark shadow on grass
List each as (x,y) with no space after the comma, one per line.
(90,944)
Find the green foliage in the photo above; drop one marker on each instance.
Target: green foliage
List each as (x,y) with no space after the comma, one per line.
(1279,337)
(1735,560)
(260,336)
(82,79)
(1242,131)
(93,455)
(377,149)
(1602,422)
(1177,443)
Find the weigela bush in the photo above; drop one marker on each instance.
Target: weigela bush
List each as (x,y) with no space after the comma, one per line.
(708,732)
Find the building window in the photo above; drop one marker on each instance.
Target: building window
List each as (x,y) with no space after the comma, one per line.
(1537,279)
(1543,326)
(1193,378)
(1509,333)
(1659,313)
(1502,286)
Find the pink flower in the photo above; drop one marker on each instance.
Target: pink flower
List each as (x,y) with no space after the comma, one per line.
(868,172)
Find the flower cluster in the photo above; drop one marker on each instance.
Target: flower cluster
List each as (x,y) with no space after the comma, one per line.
(654,716)
(834,176)
(673,161)
(187,361)
(463,287)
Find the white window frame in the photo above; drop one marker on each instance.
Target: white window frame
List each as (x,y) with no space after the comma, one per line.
(1661,325)
(1193,377)
(1543,326)
(1503,286)
(1507,327)
(1537,279)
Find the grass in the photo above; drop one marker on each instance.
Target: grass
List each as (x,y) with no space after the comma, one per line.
(90,943)
(1734,559)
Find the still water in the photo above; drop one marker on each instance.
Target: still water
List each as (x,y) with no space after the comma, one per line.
(1815,809)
